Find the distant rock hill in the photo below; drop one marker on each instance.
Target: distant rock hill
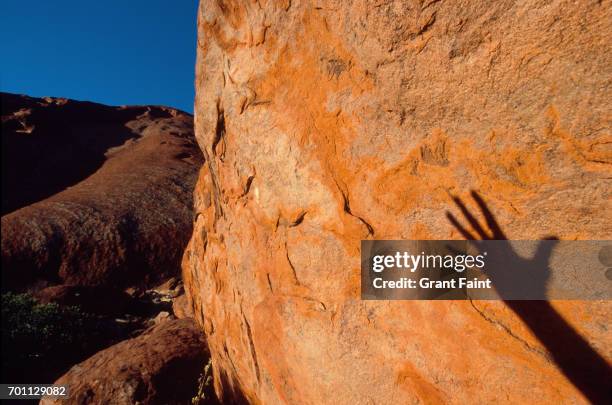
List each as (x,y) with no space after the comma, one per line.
(94,194)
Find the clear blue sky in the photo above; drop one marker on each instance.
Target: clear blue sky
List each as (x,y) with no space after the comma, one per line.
(113,51)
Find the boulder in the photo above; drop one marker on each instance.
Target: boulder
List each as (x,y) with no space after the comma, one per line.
(324,123)
(181,307)
(93,194)
(163,316)
(161,366)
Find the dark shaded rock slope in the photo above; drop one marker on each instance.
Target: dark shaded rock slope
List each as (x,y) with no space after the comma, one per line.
(93,194)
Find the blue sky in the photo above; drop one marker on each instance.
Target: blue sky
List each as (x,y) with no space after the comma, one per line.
(113,51)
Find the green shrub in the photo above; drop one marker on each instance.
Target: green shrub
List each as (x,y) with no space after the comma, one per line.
(39,340)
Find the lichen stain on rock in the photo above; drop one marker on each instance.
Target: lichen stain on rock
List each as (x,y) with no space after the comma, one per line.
(344,121)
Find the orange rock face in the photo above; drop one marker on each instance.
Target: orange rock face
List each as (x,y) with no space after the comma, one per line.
(324,123)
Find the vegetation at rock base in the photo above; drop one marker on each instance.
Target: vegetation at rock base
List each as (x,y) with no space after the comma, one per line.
(41,340)
(205,394)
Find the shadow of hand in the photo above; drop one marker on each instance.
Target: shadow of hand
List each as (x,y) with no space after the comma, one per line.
(582,365)
(512,276)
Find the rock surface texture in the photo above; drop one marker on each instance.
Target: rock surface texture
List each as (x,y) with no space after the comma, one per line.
(328,122)
(161,366)
(93,194)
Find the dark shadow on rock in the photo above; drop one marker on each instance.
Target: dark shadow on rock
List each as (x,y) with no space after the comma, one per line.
(582,365)
(99,300)
(231,394)
(126,215)
(42,339)
(161,366)
(49,146)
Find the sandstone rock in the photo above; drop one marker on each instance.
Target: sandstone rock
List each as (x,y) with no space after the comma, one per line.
(117,186)
(169,285)
(173,287)
(162,317)
(328,122)
(161,366)
(181,307)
